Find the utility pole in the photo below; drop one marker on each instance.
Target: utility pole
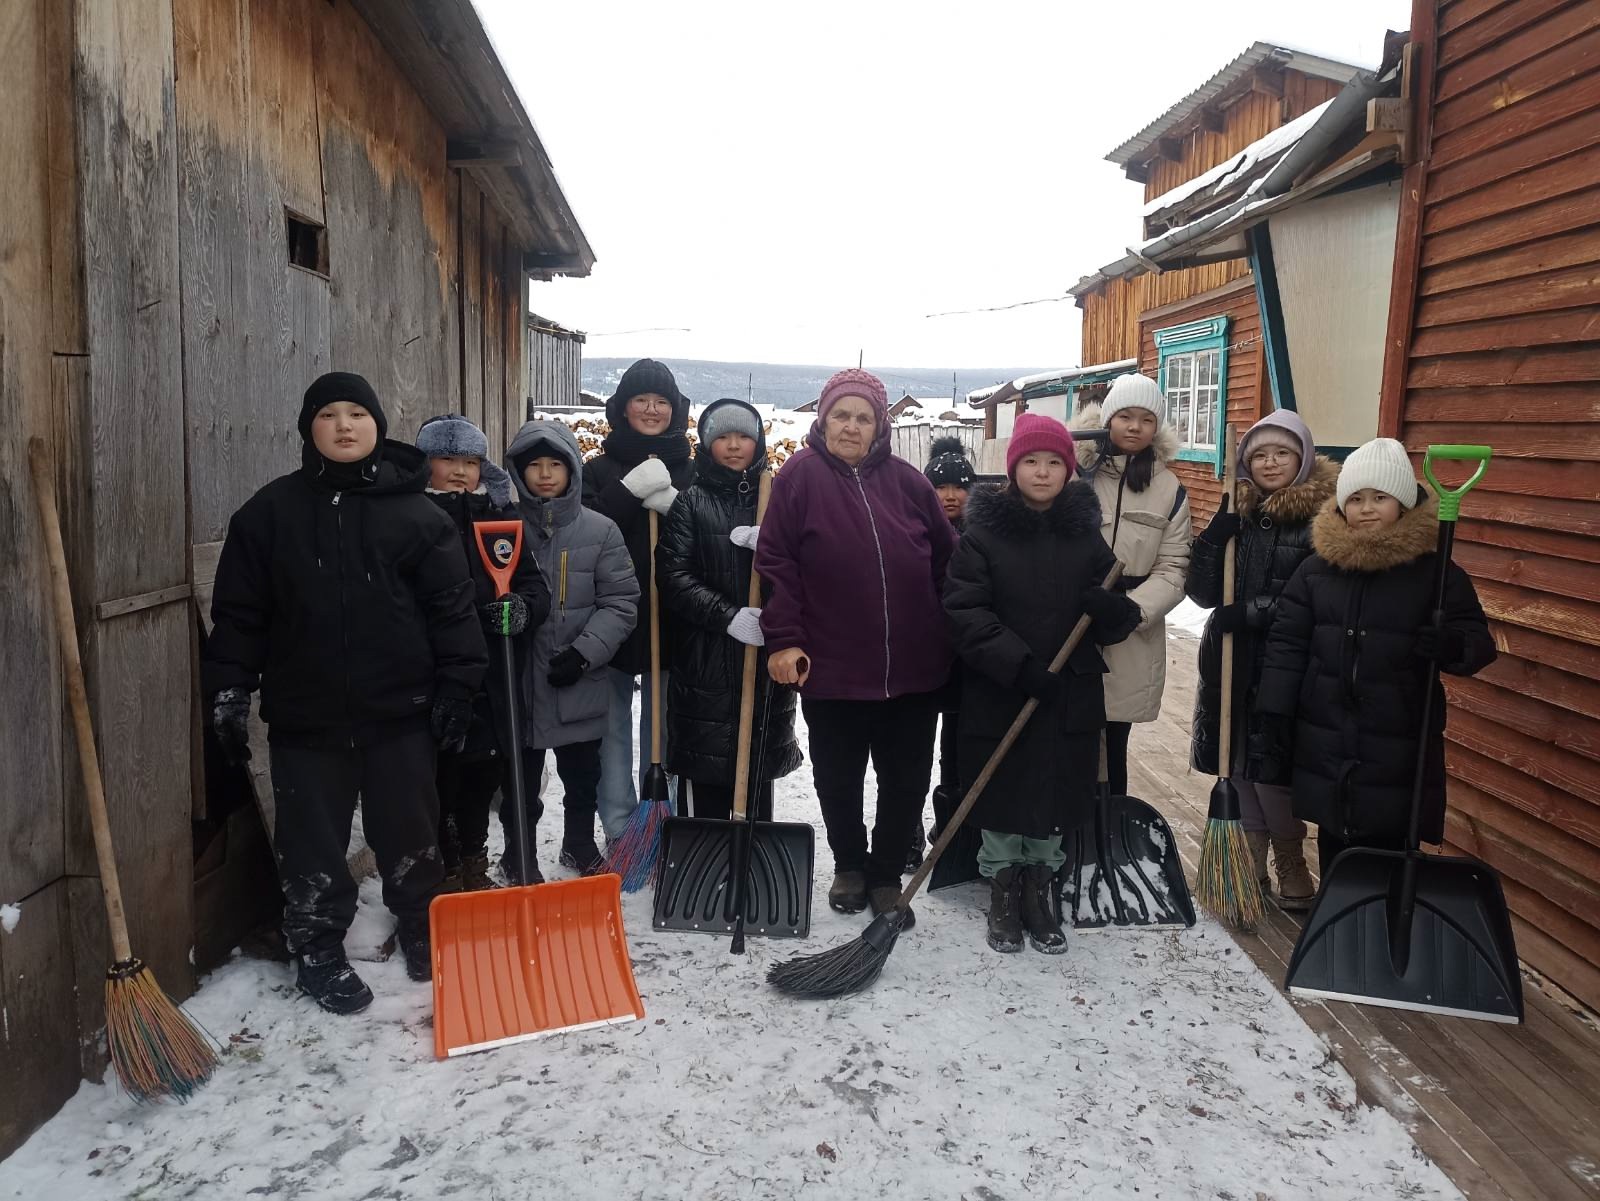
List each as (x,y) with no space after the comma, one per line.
(860,355)
(750,384)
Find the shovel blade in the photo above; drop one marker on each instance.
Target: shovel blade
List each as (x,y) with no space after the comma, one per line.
(694,882)
(514,964)
(1462,957)
(1123,869)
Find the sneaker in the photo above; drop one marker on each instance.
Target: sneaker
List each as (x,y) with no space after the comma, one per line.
(329,980)
(848,892)
(1039,910)
(886,897)
(585,858)
(1005,910)
(417,947)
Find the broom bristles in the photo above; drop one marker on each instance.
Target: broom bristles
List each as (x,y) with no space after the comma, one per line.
(841,970)
(156,1051)
(633,853)
(1227,883)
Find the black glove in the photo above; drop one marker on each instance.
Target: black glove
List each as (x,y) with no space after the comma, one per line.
(507,616)
(1439,643)
(1114,614)
(566,669)
(1224,526)
(1269,748)
(230,718)
(1229,619)
(1038,681)
(451,717)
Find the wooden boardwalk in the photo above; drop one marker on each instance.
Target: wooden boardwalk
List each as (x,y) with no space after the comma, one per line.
(1509,1113)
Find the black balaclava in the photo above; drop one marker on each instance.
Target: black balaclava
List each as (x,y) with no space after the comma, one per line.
(324,391)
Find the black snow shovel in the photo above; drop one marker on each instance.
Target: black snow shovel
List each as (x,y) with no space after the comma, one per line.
(700,886)
(959,864)
(1400,928)
(1122,866)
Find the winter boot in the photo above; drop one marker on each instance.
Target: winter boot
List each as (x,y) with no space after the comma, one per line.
(578,849)
(508,868)
(914,851)
(848,892)
(417,947)
(1039,910)
(1005,910)
(1258,841)
(475,872)
(884,898)
(329,980)
(1296,892)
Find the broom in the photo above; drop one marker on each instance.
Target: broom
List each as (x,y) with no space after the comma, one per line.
(855,965)
(156,1050)
(1226,882)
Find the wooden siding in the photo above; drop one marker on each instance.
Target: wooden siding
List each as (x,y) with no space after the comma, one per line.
(555,366)
(1496,338)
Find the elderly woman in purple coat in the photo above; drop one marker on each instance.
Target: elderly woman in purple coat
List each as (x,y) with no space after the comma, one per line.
(853,554)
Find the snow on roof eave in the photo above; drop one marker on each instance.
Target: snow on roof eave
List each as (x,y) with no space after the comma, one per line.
(1253,57)
(980,398)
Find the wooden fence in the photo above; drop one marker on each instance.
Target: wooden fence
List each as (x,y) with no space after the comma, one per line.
(911,442)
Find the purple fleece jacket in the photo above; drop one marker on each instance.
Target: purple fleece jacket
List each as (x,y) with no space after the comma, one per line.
(853,563)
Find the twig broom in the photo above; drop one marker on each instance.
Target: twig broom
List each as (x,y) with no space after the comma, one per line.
(155,1049)
(855,965)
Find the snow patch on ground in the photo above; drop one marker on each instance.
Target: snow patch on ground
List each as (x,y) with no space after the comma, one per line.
(1140,1064)
(1188,618)
(10,915)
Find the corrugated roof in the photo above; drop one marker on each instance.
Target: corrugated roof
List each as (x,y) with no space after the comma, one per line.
(1255,56)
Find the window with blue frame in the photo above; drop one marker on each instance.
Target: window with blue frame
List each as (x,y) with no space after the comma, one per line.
(1193,374)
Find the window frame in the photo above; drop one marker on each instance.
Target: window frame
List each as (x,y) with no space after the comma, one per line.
(1192,338)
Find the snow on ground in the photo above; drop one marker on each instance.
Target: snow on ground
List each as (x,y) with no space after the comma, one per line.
(1139,1064)
(1188,618)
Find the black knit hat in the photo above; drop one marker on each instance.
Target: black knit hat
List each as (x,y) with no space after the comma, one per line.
(948,464)
(336,386)
(647,375)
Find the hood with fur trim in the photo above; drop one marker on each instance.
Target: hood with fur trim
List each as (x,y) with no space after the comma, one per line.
(1093,456)
(1414,535)
(1295,503)
(1075,512)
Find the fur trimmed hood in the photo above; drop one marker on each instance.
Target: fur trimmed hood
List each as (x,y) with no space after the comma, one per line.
(1294,504)
(1407,540)
(1074,513)
(1092,455)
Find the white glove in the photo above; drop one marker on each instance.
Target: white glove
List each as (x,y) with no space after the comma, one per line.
(746,627)
(661,501)
(650,476)
(745,536)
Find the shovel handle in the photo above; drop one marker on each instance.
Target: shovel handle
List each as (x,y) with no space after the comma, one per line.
(747,692)
(1450,498)
(1230,560)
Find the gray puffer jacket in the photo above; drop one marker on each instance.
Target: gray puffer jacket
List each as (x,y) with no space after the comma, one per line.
(594,597)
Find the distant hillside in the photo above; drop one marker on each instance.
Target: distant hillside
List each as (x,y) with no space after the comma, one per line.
(789,385)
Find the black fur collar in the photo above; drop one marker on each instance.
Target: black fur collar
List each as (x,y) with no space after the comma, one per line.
(1075,512)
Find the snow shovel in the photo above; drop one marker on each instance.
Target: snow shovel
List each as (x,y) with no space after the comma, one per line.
(959,863)
(1122,866)
(1403,929)
(515,964)
(700,886)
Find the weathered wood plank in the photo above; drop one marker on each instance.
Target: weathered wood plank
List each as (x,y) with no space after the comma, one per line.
(1541,800)
(1570,210)
(471,290)
(1498,20)
(1474,815)
(1565,682)
(145,600)
(1533,757)
(1538,179)
(1574,579)
(66,285)
(1539,611)
(1520,537)
(1557,123)
(1558,328)
(1543,365)
(494,328)
(1556,403)
(1574,440)
(39,1036)
(1570,288)
(1532,718)
(1539,56)
(1547,253)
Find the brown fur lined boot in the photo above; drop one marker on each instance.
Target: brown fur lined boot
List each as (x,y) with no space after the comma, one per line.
(1296,892)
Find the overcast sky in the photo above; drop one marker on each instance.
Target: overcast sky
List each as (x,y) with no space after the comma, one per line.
(797,183)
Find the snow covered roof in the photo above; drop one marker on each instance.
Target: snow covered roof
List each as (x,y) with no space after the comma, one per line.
(1259,154)
(1257,55)
(1049,382)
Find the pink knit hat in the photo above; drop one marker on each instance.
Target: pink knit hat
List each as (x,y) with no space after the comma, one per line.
(1035,432)
(855,382)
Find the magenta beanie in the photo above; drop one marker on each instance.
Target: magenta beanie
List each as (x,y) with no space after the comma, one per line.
(1035,432)
(855,382)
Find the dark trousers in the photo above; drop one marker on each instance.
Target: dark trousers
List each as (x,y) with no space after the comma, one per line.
(466,788)
(578,765)
(1117,733)
(949,768)
(898,735)
(715,801)
(315,791)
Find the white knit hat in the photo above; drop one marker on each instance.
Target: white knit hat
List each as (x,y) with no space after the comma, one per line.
(1380,464)
(1134,391)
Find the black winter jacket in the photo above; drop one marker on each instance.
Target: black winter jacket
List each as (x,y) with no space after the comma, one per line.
(1274,539)
(1341,661)
(486,736)
(350,609)
(604,492)
(1014,592)
(704,580)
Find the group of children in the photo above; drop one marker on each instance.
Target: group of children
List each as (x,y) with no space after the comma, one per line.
(351,593)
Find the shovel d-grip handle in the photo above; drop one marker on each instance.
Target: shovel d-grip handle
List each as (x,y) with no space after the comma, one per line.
(1450,498)
(499,557)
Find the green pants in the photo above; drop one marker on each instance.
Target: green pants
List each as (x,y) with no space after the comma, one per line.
(1000,851)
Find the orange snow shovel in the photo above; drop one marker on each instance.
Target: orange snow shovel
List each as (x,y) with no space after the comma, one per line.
(519,963)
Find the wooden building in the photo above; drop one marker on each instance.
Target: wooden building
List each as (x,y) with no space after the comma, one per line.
(203,205)
(555,365)
(1494,337)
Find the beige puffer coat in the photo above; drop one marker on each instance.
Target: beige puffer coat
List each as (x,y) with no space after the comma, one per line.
(1150,533)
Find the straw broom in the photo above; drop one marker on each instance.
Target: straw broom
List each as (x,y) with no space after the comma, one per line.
(855,965)
(1226,882)
(155,1049)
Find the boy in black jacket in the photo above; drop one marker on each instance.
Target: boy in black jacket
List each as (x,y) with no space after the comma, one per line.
(343,592)
(470,487)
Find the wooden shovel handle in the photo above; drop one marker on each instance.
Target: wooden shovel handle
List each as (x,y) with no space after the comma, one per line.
(747,690)
(655,645)
(78,696)
(1230,556)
